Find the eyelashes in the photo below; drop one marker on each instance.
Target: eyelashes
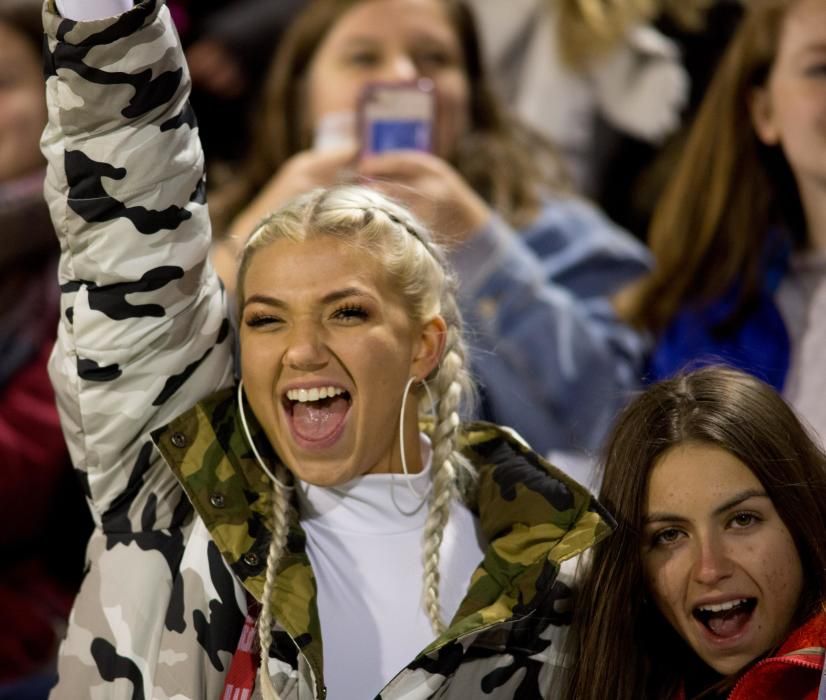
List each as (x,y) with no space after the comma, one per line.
(348,313)
(258,320)
(669,536)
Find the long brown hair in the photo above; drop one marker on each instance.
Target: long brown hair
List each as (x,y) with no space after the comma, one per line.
(711,228)
(621,645)
(505,162)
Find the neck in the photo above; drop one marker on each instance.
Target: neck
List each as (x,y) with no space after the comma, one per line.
(813,198)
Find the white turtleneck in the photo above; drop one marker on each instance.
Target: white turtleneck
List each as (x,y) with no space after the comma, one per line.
(364,541)
(92,9)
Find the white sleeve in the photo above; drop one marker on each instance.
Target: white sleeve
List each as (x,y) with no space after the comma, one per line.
(92,9)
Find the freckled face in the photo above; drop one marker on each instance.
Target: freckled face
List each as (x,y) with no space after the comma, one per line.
(327,346)
(720,564)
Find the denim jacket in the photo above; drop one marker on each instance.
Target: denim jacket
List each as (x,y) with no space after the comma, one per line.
(553,360)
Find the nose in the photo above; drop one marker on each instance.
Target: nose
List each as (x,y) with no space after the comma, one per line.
(306,349)
(400,67)
(711,560)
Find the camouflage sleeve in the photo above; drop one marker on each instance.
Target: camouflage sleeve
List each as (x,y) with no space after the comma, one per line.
(144,331)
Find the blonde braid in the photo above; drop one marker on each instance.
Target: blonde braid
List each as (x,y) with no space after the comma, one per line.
(281,526)
(417,266)
(448,392)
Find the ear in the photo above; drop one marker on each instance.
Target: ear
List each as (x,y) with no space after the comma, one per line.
(762,116)
(429,348)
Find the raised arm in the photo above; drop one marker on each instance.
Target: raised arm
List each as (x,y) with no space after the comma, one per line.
(144,331)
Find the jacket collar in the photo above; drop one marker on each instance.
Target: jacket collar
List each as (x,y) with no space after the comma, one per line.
(533,516)
(801,653)
(807,642)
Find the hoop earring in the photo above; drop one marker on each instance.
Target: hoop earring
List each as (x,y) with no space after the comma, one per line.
(243,416)
(407,386)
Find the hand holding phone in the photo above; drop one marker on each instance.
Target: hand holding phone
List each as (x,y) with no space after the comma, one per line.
(397,116)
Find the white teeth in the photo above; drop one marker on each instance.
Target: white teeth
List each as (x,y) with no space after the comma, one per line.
(722,606)
(314,394)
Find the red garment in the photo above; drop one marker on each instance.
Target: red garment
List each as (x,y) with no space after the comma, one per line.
(34,598)
(793,673)
(33,450)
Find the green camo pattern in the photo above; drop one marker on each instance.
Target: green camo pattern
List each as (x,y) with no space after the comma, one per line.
(528,535)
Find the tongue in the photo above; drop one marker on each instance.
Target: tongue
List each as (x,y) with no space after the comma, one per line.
(316,420)
(729,623)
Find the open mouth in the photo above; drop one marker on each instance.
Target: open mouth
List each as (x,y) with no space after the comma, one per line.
(726,619)
(317,415)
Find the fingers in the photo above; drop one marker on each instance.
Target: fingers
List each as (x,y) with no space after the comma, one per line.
(340,156)
(323,166)
(403,165)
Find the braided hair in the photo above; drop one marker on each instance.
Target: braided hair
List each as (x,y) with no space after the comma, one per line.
(418,269)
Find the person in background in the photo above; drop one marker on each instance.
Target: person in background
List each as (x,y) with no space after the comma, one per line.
(583,73)
(739,236)
(325,500)
(44,521)
(714,583)
(537,265)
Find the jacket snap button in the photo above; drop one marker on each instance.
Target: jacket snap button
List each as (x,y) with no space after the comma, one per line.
(217,500)
(178,440)
(251,559)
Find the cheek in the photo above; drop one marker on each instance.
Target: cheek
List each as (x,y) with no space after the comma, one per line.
(783,578)
(258,360)
(665,582)
(22,118)
(381,366)
(453,114)
(328,94)
(798,115)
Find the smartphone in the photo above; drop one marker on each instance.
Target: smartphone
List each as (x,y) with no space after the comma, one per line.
(394,116)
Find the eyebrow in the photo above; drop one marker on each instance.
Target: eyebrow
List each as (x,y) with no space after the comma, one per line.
(719,510)
(359,39)
(330,298)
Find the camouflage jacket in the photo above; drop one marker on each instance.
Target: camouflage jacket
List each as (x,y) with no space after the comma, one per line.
(180,510)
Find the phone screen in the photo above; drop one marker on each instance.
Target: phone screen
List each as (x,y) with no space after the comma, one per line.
(395,116)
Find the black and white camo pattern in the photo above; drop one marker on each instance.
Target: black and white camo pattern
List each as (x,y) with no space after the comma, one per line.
(144,334)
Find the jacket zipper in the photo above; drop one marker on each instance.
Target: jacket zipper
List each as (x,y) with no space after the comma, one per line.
(776,660)
(475,630)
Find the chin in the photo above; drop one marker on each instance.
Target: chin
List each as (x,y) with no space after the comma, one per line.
(323,476)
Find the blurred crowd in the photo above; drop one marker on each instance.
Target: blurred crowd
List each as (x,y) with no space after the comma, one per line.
(626,189)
